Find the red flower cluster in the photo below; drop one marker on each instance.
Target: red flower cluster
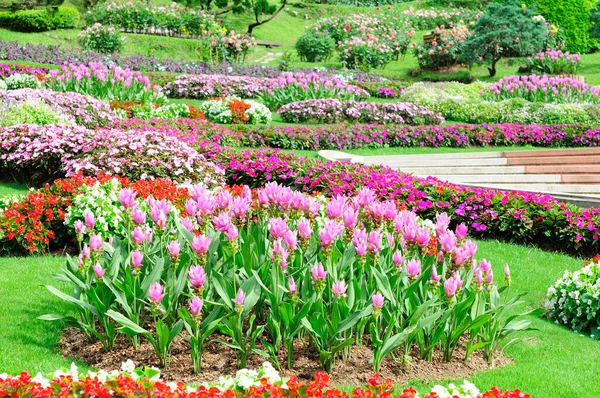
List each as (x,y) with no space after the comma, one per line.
(238,111)
(36,223)
(125,386)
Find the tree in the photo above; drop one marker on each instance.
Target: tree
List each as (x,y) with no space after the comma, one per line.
(504,30)
(15,5)
(258,8)
(595,20)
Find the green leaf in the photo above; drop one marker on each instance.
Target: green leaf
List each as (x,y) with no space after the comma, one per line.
(126,323)
(73,300)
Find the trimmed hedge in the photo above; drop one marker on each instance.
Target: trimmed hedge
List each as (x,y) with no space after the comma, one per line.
(40,20)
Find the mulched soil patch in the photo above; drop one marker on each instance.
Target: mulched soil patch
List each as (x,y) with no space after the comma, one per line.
(219,360)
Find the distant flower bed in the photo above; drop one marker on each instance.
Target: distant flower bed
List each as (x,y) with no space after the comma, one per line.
(138,109)
(534,88)
(233,110)
(554,62)
(11,69)
(333,110)
(274,92)
(17,106)
(423,19)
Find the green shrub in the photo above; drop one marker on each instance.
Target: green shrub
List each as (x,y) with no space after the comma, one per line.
(40,20)
(65,18)
(460,3)
(314,46)
(100,38)
(573,19)
(34,112)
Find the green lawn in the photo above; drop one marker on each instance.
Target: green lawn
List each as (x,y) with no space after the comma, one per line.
(550,361)
(8,188)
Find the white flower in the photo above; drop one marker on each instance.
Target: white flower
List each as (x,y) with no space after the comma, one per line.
(128,366)
(44,382)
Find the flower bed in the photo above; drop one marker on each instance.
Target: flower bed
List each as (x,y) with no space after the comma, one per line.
(187,268)
(80,109)
(423,19)
(534,88)
(463,103)
(274,92)
(42,153)
(131,381)
(573,300)
(104,82)
(228,110)
(554,62)
(334,110)
(12,69)
(137,109)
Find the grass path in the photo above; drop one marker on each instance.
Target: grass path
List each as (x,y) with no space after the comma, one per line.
(550,362)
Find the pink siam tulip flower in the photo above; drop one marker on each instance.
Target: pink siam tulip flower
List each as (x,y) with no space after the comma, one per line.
(240,207)
(149,236)
(232,233)
(79,227)
(442,221)
(318,273)
(304,229)
(156,293)
(222,222)
(196,305)
(136,258)
(86,252)
(413,267)
(490,278)
(138,236)
(139,216)
(310,206)
(206,204)
(197,276)
(95,242)
(277,227)
(291,240)
(390,211)
(191,207)
(461,231)
(223,199)
(200,244)
(374,241)
(98,270)
(422,238)
(377,299)
(350,217)
(188,224)
(247,193)
(89,219)
(485,266)
(292,286)
(174,248)
(335,207)
(263,198)
(365,196)
(450,287)
(127,197)
(330,232)
(397,258)
(239,301)
(435,278)
(478,276)
(447,241)
(339,289)
(506,271)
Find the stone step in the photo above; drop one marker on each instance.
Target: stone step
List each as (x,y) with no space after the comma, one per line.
(568,188)
(564,169)
(561,160)
(553,152)
(465,170)
(581,178)
(500,178)
(458,155)
(425,162)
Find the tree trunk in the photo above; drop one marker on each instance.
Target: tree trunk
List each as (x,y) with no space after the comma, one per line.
(492,68)
(258,23)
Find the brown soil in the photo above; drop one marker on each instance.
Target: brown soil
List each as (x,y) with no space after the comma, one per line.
(220,360)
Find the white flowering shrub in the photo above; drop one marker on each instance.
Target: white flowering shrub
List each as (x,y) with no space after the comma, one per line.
(573,300)
(19,80)
(223,111)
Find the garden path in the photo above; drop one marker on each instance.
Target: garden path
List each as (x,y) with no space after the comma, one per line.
(572,175)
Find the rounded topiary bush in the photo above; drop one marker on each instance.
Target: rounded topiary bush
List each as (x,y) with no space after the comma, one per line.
(314,46)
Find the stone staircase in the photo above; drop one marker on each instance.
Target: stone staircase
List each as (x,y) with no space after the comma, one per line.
(569,174)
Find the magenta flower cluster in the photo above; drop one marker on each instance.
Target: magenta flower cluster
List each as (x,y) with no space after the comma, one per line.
(333,110)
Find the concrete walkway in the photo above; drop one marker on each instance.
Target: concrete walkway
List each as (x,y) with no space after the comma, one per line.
(569,174)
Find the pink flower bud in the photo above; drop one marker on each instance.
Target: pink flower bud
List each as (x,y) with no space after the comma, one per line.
(98,270)
(89,219)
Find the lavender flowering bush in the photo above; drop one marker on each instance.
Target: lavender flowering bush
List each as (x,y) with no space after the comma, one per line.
(80,109)
(534,88)
(333,110)
(44,153)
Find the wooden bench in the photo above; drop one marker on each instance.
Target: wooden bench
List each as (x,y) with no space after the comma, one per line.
(268,44)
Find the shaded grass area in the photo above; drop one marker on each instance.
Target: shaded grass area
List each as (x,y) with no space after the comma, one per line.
(10,188)
(552,361)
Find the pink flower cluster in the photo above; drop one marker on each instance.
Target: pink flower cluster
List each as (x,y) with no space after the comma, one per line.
(555,62)
(333,110)
(535,88)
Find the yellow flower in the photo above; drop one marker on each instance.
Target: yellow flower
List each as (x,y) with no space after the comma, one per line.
(523,5)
